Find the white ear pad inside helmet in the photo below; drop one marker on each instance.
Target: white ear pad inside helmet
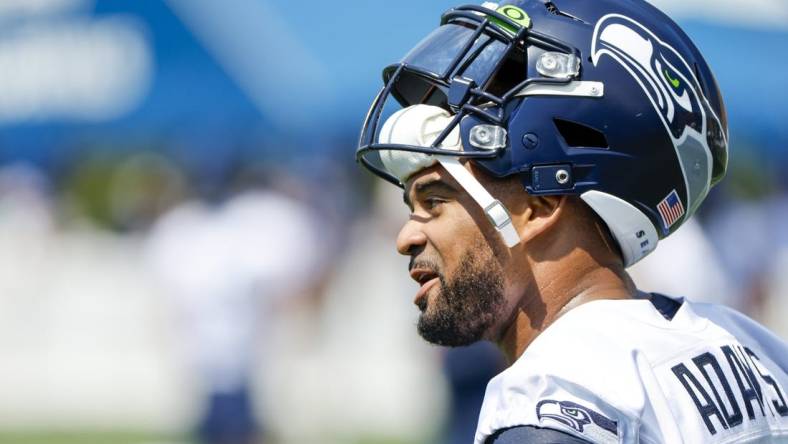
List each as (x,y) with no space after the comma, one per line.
(417,125)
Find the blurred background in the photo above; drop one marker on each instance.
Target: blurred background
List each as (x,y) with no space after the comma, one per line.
(188,252)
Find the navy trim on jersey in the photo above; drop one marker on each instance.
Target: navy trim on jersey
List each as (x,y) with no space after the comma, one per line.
(532,434)
(666,306)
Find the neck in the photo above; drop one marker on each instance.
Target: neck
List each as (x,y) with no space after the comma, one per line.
(564,286)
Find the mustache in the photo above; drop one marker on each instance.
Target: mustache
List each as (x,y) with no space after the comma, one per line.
(424,264)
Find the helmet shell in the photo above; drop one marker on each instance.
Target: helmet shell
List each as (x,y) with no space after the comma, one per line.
(642,146)
(658,133)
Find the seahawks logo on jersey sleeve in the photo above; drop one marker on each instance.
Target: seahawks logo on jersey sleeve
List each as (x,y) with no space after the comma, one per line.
(574,415)
(673,90)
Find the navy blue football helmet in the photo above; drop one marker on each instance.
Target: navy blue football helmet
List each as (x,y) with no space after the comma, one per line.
(608,100)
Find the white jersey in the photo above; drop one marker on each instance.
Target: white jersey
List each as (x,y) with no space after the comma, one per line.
(618,371)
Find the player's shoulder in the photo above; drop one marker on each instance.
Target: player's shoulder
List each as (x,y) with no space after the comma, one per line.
(617,371)
(654,326)
(581,376)
(605,331)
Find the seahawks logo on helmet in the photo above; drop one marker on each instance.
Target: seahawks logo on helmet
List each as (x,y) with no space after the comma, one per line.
(574,415)
(674,91)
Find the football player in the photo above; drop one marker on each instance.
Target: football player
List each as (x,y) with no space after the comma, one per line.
(543,147)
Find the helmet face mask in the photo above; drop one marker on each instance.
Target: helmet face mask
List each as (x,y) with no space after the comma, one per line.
(462,66)
(609,101)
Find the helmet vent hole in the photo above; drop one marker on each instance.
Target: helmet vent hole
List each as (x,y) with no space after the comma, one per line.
(577,135)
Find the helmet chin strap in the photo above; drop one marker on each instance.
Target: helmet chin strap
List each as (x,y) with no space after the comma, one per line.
(496,213)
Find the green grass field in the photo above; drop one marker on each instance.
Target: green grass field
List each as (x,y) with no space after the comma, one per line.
(88,437)
(131,437)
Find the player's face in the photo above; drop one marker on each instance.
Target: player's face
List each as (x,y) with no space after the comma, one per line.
(461,294)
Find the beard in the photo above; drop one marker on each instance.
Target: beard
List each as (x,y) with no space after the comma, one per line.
(467,305)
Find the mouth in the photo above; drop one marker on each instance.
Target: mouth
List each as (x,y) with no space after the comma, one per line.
(426,279)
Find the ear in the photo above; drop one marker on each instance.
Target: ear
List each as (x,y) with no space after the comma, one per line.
(537,214)
(531,215)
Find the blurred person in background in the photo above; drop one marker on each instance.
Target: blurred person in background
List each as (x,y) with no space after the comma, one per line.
(27,225)
(757,223)
(226,261)
(467,371)
(688,264)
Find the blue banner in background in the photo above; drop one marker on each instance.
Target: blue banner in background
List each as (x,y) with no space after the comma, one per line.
(215,78)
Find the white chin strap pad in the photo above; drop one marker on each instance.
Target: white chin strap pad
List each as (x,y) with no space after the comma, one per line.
(420,125)
(497,214)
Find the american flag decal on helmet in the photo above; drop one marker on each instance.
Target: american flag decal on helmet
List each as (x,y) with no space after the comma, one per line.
(670,209)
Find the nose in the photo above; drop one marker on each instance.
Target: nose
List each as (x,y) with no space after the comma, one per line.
(410,238)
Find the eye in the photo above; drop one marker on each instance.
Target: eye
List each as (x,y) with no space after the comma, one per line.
(433,202)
